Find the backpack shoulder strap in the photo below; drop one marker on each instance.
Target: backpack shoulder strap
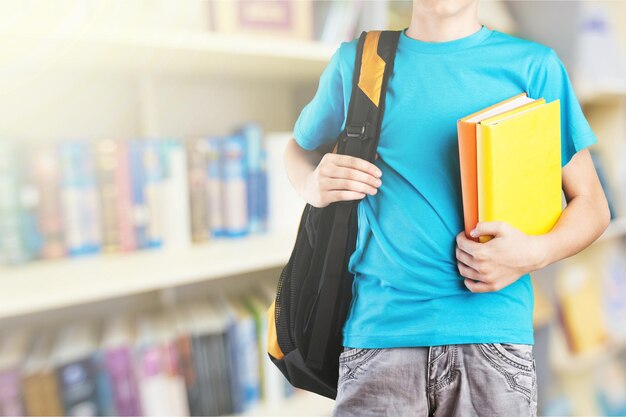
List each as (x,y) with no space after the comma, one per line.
(373,65)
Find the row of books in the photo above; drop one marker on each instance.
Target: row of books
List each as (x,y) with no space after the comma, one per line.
(204,358)
(591,300)
(82,197)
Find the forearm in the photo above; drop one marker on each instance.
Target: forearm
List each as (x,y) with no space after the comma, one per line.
(584,219)
(299,164)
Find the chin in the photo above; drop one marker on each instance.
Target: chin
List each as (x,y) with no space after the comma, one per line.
(444,8)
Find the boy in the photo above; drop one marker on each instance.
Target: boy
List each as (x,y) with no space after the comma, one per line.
(441,325)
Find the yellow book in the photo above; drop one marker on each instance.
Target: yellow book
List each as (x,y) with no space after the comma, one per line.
(518,162)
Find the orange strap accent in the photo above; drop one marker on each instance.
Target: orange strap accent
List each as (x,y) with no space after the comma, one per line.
(272,340)
(372,68)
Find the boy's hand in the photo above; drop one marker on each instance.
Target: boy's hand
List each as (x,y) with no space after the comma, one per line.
(340,178)
(499,262)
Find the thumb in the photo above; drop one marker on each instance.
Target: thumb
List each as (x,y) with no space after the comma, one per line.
(488,228)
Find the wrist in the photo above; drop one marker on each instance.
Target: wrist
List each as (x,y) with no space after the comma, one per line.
(541,251)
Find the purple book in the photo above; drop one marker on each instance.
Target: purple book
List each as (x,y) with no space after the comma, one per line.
(125,392)
(10,395)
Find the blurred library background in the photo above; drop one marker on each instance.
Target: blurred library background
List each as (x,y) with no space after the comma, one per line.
(145,214)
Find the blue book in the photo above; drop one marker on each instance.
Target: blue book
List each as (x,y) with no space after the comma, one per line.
(79,198)
(215,186)
(138,196)
(234,186)
(253,135)
(104,386)
(154,164)
(263,192)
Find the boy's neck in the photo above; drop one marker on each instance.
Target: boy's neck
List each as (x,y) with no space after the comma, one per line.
(428,27)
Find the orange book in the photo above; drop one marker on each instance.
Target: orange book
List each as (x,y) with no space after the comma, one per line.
(466,129)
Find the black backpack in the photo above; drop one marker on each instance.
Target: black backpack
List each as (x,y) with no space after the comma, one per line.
(314,294)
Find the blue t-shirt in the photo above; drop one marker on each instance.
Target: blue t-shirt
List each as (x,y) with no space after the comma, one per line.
(407,289)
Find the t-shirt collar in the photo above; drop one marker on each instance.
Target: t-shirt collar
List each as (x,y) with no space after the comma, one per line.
(447,46)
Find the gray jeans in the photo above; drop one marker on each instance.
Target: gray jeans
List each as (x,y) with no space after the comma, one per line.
(483,379)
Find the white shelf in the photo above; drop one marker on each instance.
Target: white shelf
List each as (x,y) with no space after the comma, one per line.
(183,53)
(46,285)
(301,404)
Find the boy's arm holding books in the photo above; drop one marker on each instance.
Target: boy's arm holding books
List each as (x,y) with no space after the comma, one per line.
(511,253)
(501,261)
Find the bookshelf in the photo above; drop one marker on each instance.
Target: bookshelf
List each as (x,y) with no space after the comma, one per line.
(36,287)
(204,54)
(32,288)
(268,79)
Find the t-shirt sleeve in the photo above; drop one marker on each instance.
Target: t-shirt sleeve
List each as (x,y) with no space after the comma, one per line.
(553,83)
(321,120)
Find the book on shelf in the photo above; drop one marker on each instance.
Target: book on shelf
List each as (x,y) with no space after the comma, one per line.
(516,176)
(12,242)
(12,356)
(45,173)
(581,315)
(117,348)
(74,357)
(40,388)
(198,189)
(118,195)
(79,198)
(215,186)
(234,192)
(203,357)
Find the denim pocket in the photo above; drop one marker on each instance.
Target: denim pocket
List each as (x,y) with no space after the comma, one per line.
(350,354)
(518,353)
(352,361)
(515,362)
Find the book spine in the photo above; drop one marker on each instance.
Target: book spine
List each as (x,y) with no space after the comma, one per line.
(234,196)
(153,162)
(140,209)
(223,375)
(187,369)
(107,167)
(29,207)
(250,371)
(253,138)
(45,169)
(176,231)
(119,365)
(50,395)
(78,387)
(104,387)
(215,186)
(152,383)
(33,395)
(234,363)
(263,191)
(201,357)
(124,207)
(198,189)
(10,394)
(485,179)
(12,250)
(80,201)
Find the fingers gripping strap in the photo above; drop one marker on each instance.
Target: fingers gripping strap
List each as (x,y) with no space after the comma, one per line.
(372,68)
